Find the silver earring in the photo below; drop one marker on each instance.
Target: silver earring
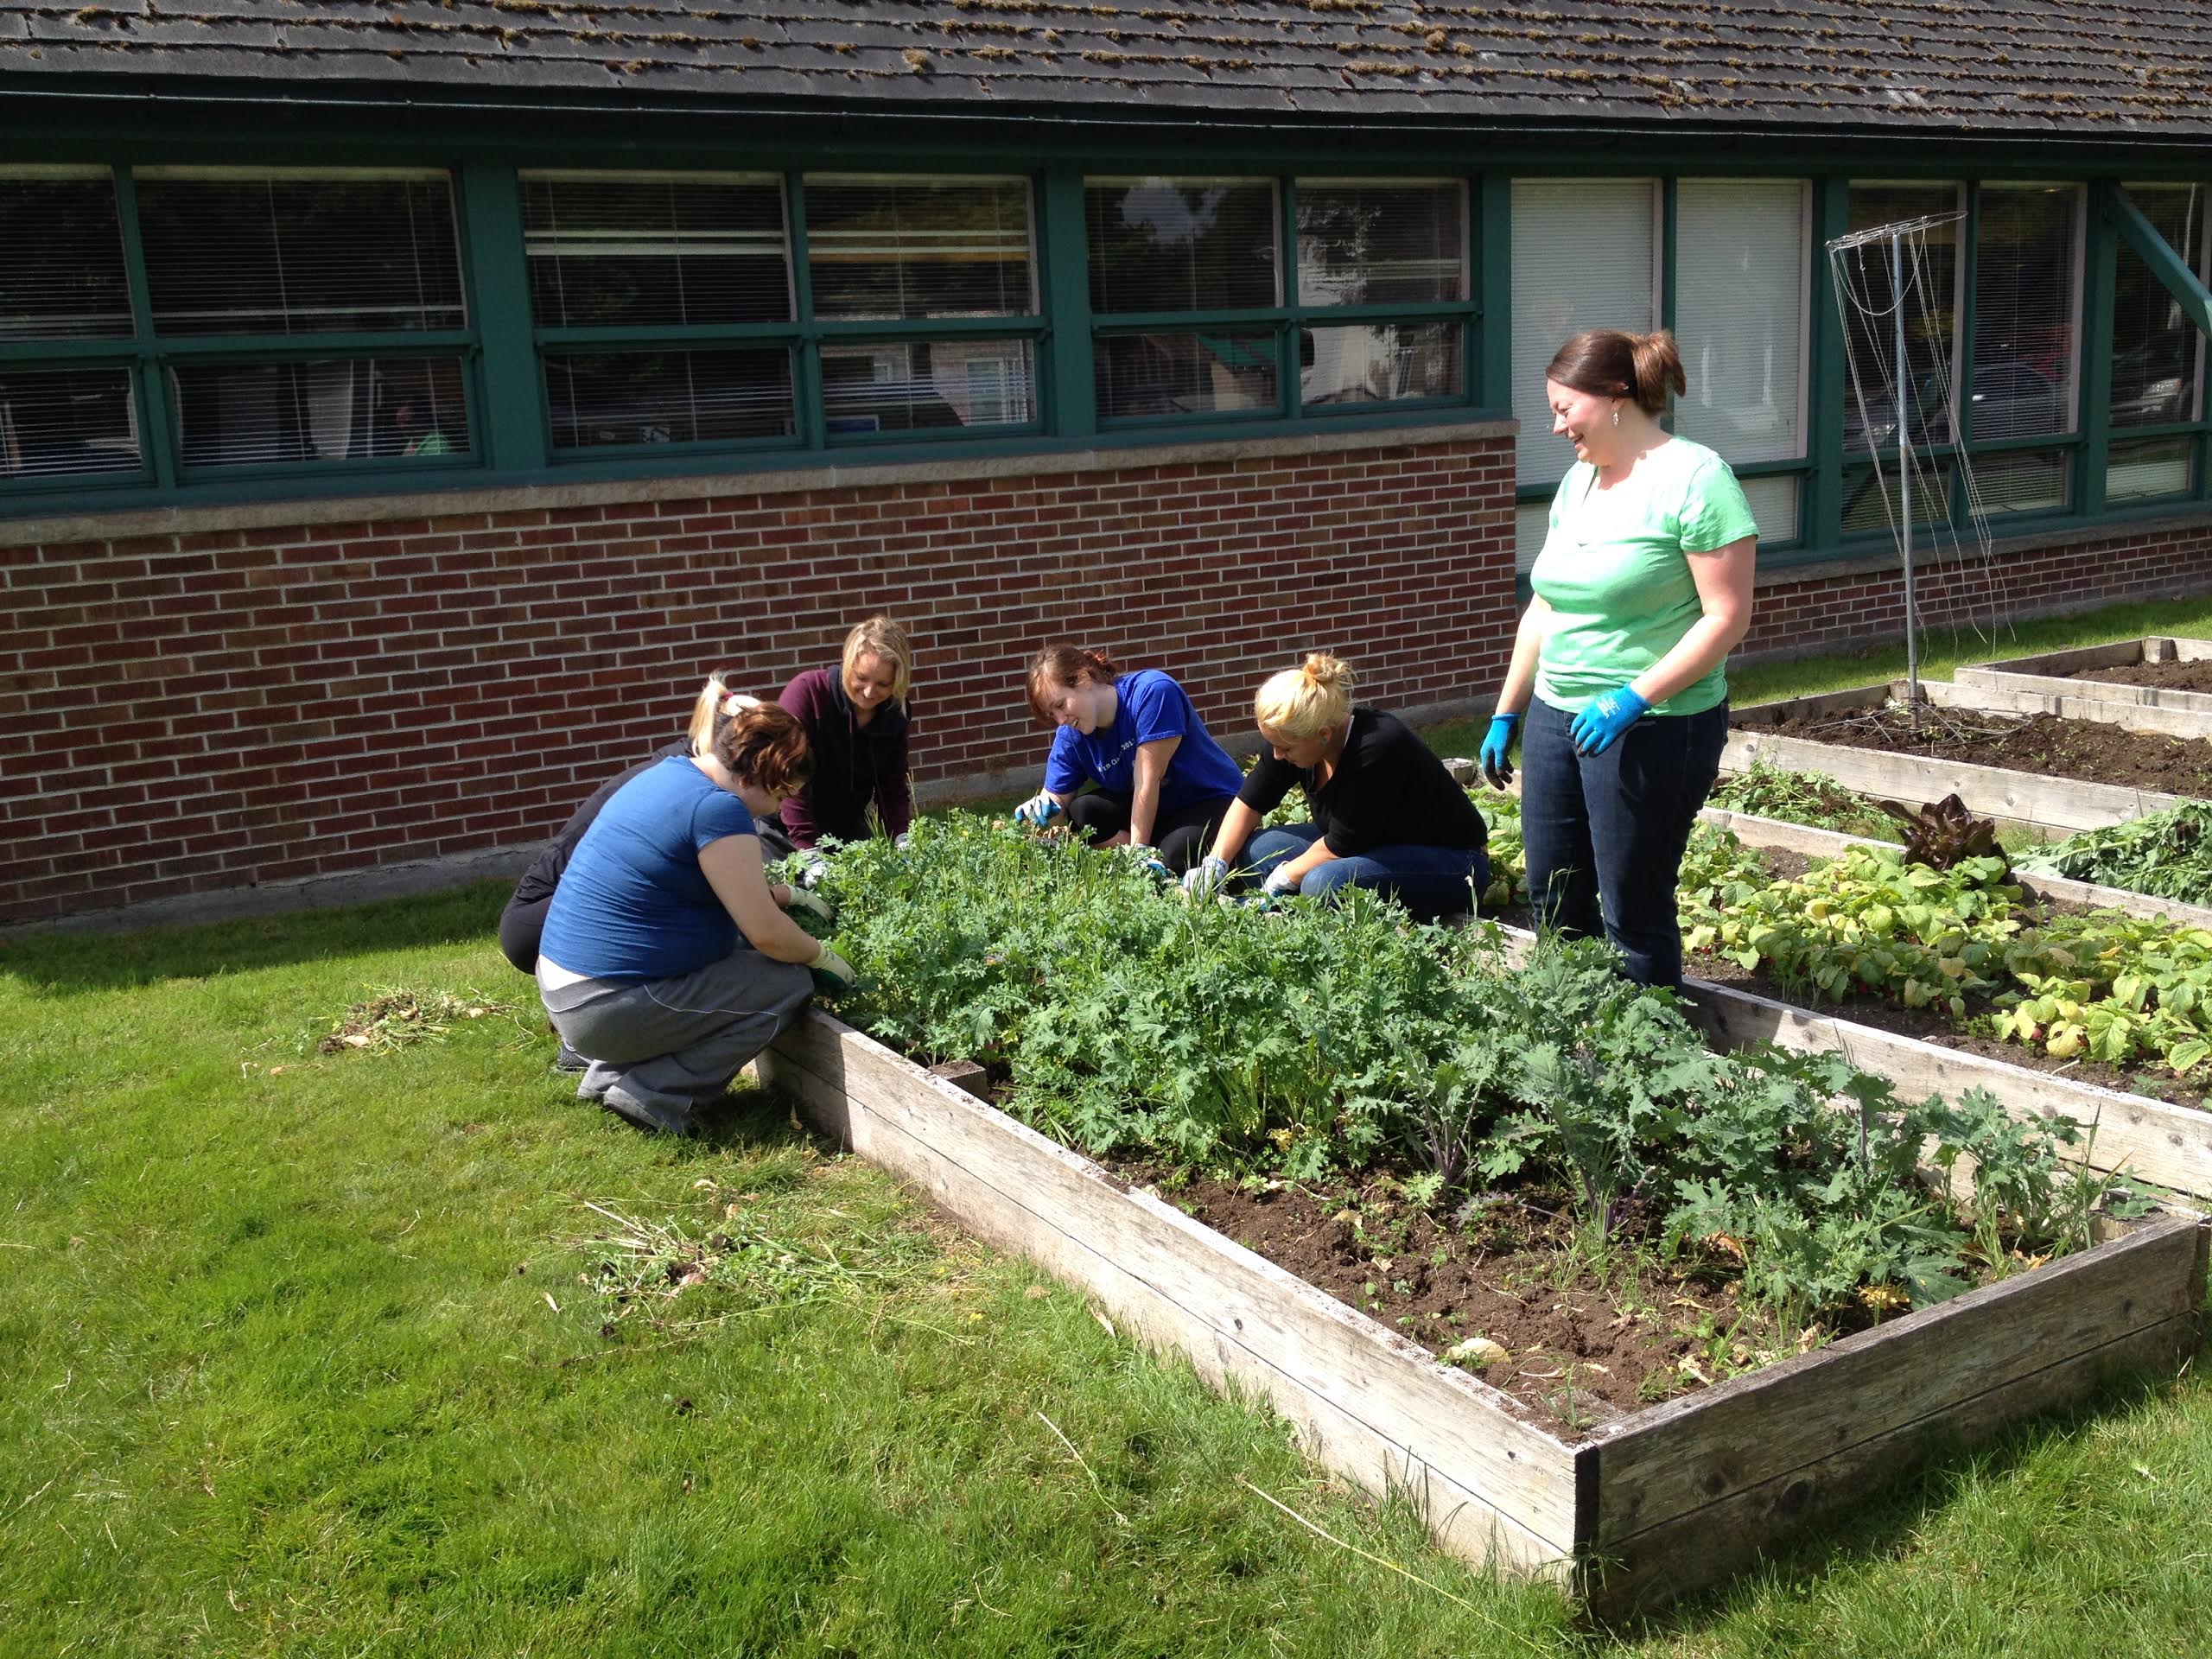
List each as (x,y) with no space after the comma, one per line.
(1616,414)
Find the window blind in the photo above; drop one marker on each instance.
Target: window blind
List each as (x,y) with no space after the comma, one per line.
(341,408)
(299,251)
(1739,315)
(914,248)
(2027,292)
(2156,350)
(56,423)
(61,275)
(1182,245)
(1584,255)
(649,250)
(1931,319)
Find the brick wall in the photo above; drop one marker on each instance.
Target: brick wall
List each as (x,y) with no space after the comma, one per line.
(214,706)
(1798,613)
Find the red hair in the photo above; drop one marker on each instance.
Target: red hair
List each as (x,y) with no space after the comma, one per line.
(1059,665)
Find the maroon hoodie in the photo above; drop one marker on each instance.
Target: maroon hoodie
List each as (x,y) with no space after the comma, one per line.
(854,764)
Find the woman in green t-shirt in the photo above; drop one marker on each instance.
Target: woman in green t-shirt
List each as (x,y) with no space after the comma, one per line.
(1643,585)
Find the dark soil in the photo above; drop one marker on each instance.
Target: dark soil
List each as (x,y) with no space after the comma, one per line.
(2044,744)
(2170,676)
(1581,1349)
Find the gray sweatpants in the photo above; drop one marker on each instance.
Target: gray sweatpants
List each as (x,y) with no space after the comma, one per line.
(662,1048)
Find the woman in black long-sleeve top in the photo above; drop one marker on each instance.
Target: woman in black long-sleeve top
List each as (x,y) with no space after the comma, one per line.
(1385,813)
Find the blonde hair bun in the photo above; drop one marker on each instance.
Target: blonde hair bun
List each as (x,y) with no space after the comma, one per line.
(1301,703)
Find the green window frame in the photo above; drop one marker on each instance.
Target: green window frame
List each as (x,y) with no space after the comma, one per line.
(164,362)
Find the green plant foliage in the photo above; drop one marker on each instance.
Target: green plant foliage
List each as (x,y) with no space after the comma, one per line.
(1811,798)
(1306,1039)
(2114,988)
(1870,921)
(2167,854)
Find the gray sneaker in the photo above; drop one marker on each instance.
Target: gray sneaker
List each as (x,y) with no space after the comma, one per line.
(658,1119)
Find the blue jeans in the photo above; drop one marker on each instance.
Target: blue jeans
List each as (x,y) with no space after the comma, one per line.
(1605,833)
(1429,881)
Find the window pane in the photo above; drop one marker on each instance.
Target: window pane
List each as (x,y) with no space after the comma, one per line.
(2154,346)
(338,410)
(1863,508)
(917,385)
(62,421)
(1142,375)
(1931,262)
(297,253)
(2039,481)
(599,398)
(1368,244)
(899,247)
(60,256)
(1774,507)
(1532,522)
(2024,306)
(1584,254)
(1181,245)
(1739,315)
(2145,470)
(635,250)
(1379,363)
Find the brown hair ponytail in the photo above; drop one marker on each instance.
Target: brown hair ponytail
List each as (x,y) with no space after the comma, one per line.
(1613,363)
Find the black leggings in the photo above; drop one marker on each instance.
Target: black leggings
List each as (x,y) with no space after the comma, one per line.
(1184,838)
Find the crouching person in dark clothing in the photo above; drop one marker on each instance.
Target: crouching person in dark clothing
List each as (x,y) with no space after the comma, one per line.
(667,961)
(856,718)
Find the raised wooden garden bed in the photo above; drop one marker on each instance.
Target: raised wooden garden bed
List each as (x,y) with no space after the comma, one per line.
(1629,1514)
(2052,806)
(2075,674)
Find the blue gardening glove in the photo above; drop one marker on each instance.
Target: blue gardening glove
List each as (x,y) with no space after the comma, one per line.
(1498,745)
(1600,724)
(1038,810)
(1158,871)
(1204,879)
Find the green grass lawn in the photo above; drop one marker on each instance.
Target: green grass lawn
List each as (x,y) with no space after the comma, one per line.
(315,1353)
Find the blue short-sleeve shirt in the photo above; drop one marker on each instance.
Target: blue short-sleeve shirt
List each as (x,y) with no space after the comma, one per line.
(634,903)
(1150,706)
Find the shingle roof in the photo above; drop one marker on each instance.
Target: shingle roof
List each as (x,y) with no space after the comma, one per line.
(2103,69)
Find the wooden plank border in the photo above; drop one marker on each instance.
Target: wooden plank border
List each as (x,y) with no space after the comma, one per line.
(2046,674)
(1640,1509)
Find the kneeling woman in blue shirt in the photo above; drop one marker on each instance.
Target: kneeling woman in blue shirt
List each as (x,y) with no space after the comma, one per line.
(667,961)
(1162,780)
(1385,813)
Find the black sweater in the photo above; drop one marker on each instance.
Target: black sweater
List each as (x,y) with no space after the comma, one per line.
(1389,789)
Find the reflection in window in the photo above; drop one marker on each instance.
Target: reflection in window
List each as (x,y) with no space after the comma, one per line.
(1151,375)
(912,248)
(1863,508)
(1182,245)
(922,385)
(2154,345)
(1931,322)
(1381,362)
(299,252)
(336,409)
(1739,315)
(599,399)
(62,256)
(2150,468)
(58,422)
(1363,243)
(627,250)
(2026,301)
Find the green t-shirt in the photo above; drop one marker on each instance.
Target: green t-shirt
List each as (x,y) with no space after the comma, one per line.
(1613,571)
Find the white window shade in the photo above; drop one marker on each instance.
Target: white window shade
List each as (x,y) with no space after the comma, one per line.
(1584,255)
(1739,315)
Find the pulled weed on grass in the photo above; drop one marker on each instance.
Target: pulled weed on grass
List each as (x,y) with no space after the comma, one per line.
(398,1016)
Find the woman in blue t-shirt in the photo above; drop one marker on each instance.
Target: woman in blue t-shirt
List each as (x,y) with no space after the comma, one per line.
(1162,781)
(667,961)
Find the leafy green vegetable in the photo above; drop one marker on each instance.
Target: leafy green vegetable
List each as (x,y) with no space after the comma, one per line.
(2167,854)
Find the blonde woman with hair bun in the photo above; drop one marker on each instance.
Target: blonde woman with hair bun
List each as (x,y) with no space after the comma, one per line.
(1641,589)
(1384,813)
(855,714)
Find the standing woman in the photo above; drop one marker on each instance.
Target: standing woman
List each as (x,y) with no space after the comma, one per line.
(1162,780)
(667,961)
(1643,586)
(1385,814)
(856,718)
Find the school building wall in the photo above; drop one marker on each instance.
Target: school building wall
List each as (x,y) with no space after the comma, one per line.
(209,698)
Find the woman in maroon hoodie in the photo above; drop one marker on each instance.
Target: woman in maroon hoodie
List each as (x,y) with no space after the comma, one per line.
(856,720)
